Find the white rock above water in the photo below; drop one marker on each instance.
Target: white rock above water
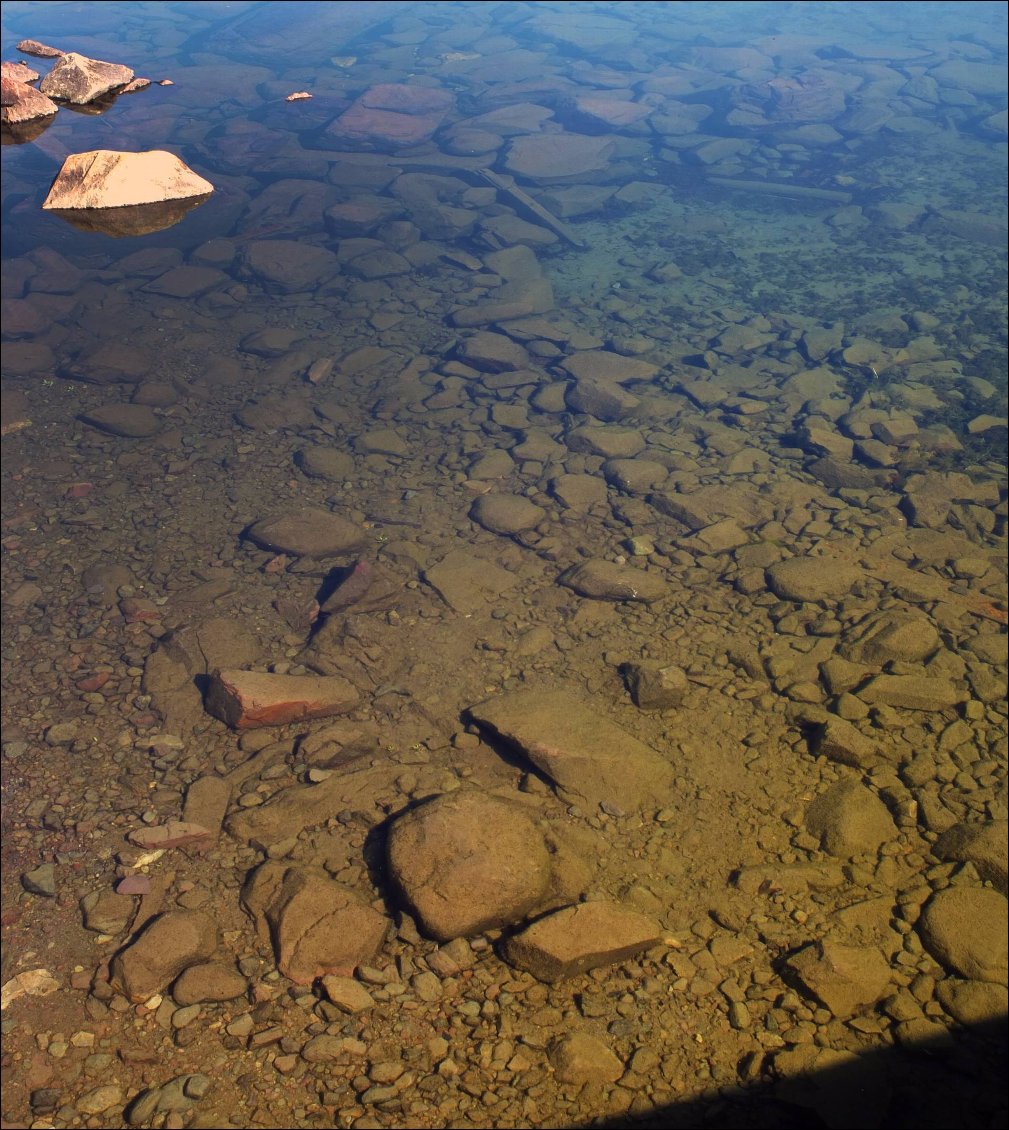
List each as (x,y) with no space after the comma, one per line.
(106,178)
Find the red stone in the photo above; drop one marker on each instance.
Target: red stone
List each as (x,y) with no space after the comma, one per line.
(94,682)
(139,610)
(80,490)
(134,885)
(246,700)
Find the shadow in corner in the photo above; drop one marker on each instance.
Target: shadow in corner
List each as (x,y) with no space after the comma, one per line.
(954,1083)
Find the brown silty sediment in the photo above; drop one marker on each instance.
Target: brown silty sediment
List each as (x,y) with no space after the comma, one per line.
(775,789)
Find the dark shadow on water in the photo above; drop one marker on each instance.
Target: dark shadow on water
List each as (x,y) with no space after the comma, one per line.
(958,1083)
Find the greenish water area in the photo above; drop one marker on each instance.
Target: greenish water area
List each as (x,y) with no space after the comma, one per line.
(504,573)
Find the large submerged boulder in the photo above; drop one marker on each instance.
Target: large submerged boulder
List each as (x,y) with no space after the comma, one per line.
(106,178)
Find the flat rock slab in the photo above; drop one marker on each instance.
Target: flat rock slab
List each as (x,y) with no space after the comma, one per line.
(207,800)
(840,741)
(912,692)
(843,978)
(601,365)
(589,758)
(466,862)
(467,582)
(79,79)
(984,845)
(506,513)
(176,833)
(579,938)
(287,265)
(605,400)
(493,353)
(292,810)
(581,1058)
(211,982)
(247,700)
(965,930)
(812,579)
(131,421)
(315,926)
(393,114)
(850,819)
(188,282)
(168,945)
(105,178)
(606,580)
(310,532)
(559,158)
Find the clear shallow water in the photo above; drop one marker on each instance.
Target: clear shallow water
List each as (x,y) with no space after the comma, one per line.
(787,224)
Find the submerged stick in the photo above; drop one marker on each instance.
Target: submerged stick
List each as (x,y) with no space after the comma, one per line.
(778,189)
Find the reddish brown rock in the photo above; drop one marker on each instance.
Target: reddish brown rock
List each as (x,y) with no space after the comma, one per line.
(246,700)
(310,532)
(209,981)
(80,79)
(402,98)
(39,50)
(811,96)
(316,926)
(168,945)
(466,862)
(579,938)
(18,72)
(20,318)
(588,757)
(393,114)
(22,103)
(602,365)
(105,178)
(133,421)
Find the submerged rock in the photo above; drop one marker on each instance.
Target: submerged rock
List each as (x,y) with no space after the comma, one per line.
(246,700)
(309,532)
(606,580)
(587,756)
(466,863)
(579,938)
(843,978)
(965,930)
(393,115)
(165,948)
(315,926)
